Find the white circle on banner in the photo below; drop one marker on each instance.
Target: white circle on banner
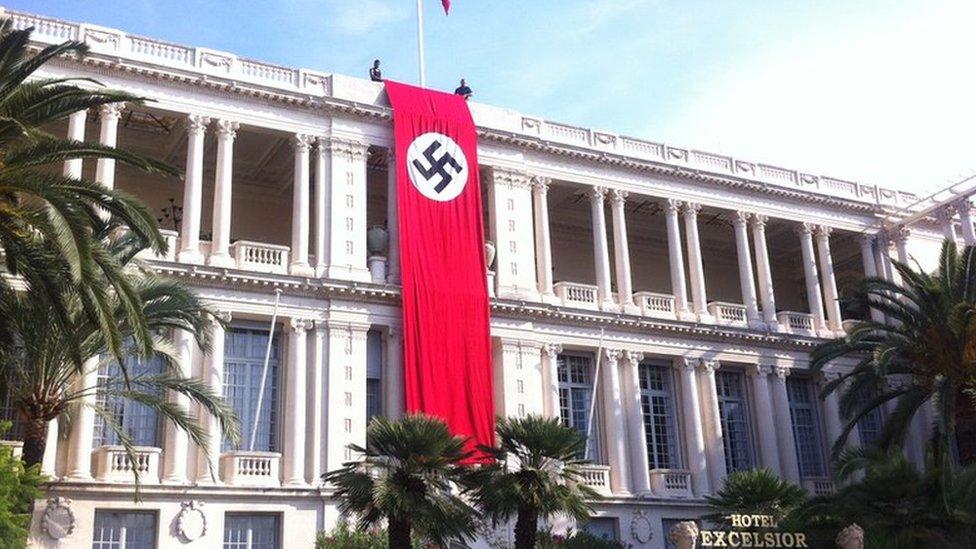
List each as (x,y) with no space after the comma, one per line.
(437,166)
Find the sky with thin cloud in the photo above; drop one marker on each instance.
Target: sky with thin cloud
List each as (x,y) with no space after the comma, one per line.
(881,92)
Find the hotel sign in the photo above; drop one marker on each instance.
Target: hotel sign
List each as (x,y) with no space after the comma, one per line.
(752,531)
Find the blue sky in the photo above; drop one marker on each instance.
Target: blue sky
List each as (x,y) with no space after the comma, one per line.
(877,91)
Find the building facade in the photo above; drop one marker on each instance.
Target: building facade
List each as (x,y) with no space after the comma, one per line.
(679,290)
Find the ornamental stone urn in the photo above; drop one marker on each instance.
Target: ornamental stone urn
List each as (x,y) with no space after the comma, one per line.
(489,253)
(851,537)
(684,535)
(376,239)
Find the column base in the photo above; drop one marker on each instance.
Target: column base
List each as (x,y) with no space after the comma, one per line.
(550,298)
(348,272)
(687,316)
(76,476)
(609,307)
(773,326)
(301,268)
(176,481)
(321,269)
(514,292)
(630,308)
(191,256)
(222,260)
(705,318)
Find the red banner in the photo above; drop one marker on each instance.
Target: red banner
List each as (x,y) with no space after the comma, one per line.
(446,341)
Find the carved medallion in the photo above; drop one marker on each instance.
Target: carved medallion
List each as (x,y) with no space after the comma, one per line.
(58,521)
(191,523)
(640,527)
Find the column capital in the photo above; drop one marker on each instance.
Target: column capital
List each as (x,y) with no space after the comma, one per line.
(823,231)
(672,206)
(759,221)
(196,124)
(830,375)
(300,325)
(540,184)
(390,154)
(222,316)
(351,149)
(513,178)
(898,235)
(753,370)
(613,355)
(552,350)
(691,209)
(866,239)
(634,357)
(111,110)
(709,366)
(302,142)
(742,217)
(781,371)
(597,194)
(945,213)
(686,363)
(227,128)
(964,207)
(618,197)
(805,229)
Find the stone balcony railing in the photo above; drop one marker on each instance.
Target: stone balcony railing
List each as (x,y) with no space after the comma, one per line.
(260,257)
(655,305)
(172,245)
(16,445)
(728,314)
(796,323)
(819,486)
(240,468)
(597,477)
(112,464)
(671,483)
(572,294)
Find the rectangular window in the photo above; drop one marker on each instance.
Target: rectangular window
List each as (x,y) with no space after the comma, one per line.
(575,373)
(869,427)
(374,374)
(806,427)
(733,411)
(244,351)
(658,411)
(139,420)
(603,528)
(250,531)
(124,529)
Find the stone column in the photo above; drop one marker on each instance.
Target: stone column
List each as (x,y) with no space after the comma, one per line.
(346,249)
(601,252)
(323,174)
(300,207)
(768,450)
(346,391)
(196,127)
(616,424)
(395,404)
(49,463)
(945,215)
(76,132)
(392,220)
(899,237)
(510,222)
(746,280)
(714,440)
(829,281)
(83,427)
(220,248)
(108,135)
(805,231)
(550,374)
(831,409)
(699,299)
(789,467)
(868,263)
(882,260)
(639,462)
(766,293)
(213,374)
(177,446)
(676,260)
(315,407)
(691,418)
(293,449)
(621,252)
(964,208)
(543,241)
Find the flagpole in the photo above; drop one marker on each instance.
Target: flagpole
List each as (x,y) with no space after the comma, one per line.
(420,40)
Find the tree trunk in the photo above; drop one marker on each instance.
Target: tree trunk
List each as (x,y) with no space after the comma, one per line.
(35,441)
(526,528)
(398,533)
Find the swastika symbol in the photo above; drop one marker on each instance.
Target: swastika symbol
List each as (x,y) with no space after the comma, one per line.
(437,166)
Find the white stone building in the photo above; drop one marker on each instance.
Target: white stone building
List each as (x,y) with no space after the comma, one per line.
(708,280)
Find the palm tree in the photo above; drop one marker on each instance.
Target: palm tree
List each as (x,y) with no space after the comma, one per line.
(410,474)
(43,363)
(755,492)
(925,353)
(46,218)
(537,474)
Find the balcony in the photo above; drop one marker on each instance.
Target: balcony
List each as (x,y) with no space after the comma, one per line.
(250,468)
(796,323)
(112,464)
(571,294)
(260,257)
(728,314)
(671,483)
(172,246)
(597,477)
(819,486)
(16,446)
(655,305)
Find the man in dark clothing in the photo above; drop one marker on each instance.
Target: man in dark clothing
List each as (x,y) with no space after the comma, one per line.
(374,72)
(463,90)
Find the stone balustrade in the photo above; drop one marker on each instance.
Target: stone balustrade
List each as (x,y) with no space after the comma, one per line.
(597,477)
(16,446)
(240,468)
(113,464)
(796,323)
(819,486)
(728,314)
(655,305)
(260,257)
(672,483)
(572,294)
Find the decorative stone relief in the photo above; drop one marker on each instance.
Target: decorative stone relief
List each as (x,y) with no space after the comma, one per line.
(59,520)
(684,535)
(640,527)
(191,523)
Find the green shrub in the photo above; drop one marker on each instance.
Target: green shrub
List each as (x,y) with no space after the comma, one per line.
(575,540)
(345,537)
(19,487)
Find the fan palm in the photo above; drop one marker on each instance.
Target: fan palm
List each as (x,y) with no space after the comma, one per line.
(409,474)
(39,363)
(537,474)
(755,492)
(45,217)
(925,353)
